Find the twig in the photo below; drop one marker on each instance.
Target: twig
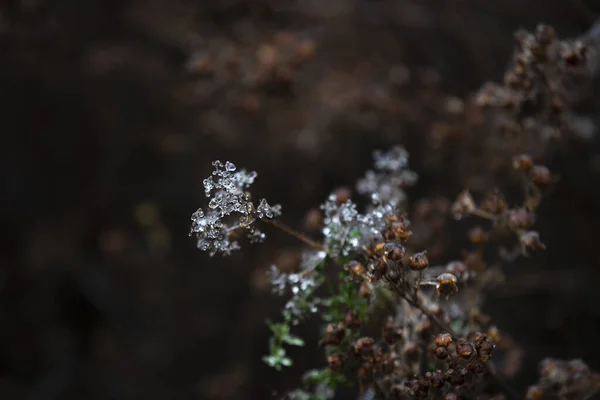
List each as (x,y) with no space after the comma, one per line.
(291,231)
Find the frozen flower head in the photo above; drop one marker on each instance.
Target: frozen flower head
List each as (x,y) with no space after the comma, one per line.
(385,184)
(230,210)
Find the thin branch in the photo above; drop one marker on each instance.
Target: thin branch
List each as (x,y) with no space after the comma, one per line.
(291,231)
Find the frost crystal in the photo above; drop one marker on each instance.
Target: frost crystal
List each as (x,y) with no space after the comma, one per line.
(215,228)
(302,284)
(345,229)
(386,184)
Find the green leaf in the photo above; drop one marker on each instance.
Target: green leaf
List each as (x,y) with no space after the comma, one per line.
(286,361)
(293,340)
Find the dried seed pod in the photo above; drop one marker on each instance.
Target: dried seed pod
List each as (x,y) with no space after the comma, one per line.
(443,340)
(436,378)
(418,261)
(441,353)
(356,269)
(465,349)
(393,274)
(394,251)
(364,346)
(485,349)
(446,284)
(377,248)
(400,229)
(377,269)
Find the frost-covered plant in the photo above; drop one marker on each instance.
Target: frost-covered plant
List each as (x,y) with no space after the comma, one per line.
(435,342)
(230,210)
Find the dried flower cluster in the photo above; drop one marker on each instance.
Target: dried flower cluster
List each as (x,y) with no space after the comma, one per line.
(435,342)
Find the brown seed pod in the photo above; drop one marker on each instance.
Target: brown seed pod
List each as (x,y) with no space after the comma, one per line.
(443,340)
(446,284)
(394,251)
(465,349)
(364,346)
(441,353)
(418,261)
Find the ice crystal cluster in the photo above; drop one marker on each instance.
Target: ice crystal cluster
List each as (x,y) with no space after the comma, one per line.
(385,184)
(302,285)
(230,209)
(345,229)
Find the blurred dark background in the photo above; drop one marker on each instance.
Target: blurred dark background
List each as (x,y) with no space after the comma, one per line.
(111,113)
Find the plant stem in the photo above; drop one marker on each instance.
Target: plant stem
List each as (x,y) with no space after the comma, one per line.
(291,231)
